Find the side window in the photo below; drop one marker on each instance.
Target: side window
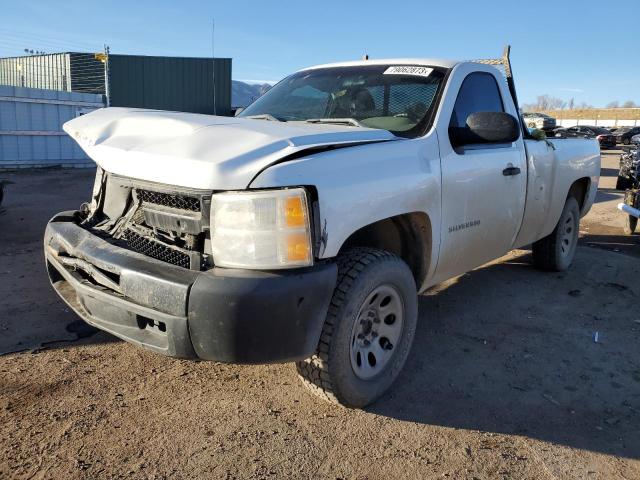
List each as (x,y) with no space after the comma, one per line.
(479,93)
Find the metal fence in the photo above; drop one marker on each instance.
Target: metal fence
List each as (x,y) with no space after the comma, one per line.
(67,72)
(31,132)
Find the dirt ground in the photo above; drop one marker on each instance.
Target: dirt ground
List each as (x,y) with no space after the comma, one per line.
(504,380)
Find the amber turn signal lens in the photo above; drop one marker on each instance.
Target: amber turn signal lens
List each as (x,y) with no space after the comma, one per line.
(294,212)
(298,249)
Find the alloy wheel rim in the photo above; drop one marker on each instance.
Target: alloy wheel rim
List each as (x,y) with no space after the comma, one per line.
(377,331)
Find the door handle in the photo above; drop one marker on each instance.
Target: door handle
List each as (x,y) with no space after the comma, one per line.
(511,170)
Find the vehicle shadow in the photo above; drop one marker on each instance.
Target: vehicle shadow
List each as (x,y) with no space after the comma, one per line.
(610,238)
(509,349)
(608,172)
(606,195)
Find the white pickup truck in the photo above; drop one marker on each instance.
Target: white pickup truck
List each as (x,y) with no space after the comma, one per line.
(304,228)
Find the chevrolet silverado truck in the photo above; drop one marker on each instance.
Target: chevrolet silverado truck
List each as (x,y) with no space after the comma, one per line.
(303,229)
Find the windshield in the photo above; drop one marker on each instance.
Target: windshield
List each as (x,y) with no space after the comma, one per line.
(600,130)
(394,98)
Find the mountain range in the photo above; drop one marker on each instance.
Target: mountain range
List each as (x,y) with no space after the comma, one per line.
(242,93)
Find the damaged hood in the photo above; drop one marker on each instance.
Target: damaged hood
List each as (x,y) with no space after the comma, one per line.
(200,151)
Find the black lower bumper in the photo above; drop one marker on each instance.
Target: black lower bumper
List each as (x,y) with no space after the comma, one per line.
(235,316)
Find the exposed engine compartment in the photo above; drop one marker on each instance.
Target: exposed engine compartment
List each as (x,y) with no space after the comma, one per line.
(164,222)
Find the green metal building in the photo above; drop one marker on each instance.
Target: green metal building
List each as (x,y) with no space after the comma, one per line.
(187,84)
(171,83)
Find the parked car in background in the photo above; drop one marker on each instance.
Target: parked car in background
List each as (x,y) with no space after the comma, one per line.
(635,139)
(623,134)
(539,120)
(604,136)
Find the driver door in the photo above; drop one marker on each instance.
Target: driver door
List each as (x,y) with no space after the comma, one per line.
(482,195)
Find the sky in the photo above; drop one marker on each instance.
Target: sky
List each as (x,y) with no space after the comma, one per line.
(586,50)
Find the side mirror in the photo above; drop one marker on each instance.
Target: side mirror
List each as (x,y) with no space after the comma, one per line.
(238,111)
(486,127)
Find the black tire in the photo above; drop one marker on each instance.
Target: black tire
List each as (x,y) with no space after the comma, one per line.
(623,183)
(630,225)
(626,141)
(555,252)
(329,373)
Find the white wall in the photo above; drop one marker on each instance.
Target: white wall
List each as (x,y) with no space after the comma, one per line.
(570,122)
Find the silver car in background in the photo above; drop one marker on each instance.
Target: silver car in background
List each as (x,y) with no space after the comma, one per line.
(539,120)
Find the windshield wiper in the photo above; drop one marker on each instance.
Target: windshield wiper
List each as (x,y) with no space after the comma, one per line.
(338,121)
(264,116)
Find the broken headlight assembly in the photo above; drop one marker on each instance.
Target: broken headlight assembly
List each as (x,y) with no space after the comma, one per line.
(263,229)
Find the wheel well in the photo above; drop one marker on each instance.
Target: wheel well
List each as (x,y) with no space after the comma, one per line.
(579,190)
(407,235)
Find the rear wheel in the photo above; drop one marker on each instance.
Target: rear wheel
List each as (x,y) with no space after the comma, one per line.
(556,251)
(626,141)
(630,224)
(368,331)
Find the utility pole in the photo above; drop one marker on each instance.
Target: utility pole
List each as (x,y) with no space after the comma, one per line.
(104,58)
(213,63)
(107,92)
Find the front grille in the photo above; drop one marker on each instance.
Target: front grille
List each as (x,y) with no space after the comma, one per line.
(182,202)
(155,249)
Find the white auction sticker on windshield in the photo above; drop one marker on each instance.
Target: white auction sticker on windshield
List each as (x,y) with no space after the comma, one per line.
(408,70)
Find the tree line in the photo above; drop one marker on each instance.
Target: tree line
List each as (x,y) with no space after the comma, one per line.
(547,102)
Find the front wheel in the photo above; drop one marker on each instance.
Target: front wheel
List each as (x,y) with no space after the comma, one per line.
(556,251)
(368,331)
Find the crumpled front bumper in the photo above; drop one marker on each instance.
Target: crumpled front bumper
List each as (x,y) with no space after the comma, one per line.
(234,316)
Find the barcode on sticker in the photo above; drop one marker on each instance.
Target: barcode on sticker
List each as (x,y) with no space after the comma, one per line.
(408,70)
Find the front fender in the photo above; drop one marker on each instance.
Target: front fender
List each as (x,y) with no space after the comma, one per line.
(361,185)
